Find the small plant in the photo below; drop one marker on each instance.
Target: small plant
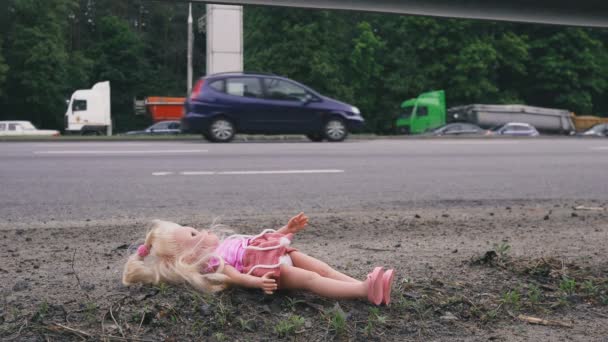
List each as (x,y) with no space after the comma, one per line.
(373,320)
(337,320)
(490,315)
(89,311)
(291,303)
(162,288)
(218,336)
(567,285)
(289,326)
(502,249)
(246,324)
(42,311)
(590,289)
(534,294)
(512,298)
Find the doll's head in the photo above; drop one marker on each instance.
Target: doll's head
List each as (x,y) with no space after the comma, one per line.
(175,254)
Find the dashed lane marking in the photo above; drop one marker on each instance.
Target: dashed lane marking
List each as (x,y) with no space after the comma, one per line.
(118,151)
(261,172)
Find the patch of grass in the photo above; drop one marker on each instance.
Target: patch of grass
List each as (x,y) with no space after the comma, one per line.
(337,320)
(89,311)
(289,326)
(218,336)
(568,285)
(512,298)
(246,324)
(502,249)
(43,310)
(291,303)
(534,294)
(374,319)
(163,288)
(590,289)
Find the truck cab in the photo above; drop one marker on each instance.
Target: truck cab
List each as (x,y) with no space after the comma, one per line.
(88,111)
(423,113)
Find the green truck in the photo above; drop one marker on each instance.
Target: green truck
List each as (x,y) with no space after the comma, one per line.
(423,113)
(428,111)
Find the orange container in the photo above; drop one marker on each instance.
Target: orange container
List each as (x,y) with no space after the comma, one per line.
(165,108)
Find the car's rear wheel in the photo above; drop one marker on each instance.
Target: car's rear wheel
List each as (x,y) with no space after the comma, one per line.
(221,130)
(335,130)
(315,137)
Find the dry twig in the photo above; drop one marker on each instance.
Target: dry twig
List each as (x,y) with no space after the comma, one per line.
(536,320)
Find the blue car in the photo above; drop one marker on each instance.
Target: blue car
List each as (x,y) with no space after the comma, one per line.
(222,105)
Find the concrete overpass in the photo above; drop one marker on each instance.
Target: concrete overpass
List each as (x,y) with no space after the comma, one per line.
(592,13)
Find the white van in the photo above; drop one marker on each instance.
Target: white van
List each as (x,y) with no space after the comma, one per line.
(89,111)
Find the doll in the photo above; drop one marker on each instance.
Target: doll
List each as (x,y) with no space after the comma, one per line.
(177,254)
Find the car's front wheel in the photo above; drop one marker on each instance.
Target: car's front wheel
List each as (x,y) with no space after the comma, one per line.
(221,130)
(335,130)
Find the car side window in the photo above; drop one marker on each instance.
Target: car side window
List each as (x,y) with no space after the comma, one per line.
(174,125)
(79,105)
(218,85)
(422,111)
(2,126)
(245,87)
(282,90)
(161,125)
(453,128)
(12,126)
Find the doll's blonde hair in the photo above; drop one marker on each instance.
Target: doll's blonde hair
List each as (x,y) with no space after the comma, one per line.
(167,263)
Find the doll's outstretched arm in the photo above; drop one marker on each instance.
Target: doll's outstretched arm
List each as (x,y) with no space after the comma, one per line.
(295,224)
(266,283)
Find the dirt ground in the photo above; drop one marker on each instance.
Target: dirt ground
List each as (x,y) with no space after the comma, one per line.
(466,272)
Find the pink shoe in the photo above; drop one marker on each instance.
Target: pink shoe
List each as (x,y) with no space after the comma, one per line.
(387,282)
(374,289)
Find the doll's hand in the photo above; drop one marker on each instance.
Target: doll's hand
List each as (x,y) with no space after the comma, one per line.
(268,284)
(297,223)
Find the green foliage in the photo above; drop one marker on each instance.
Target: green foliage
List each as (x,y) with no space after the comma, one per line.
(373,61)
(3,70)
(289,326)
(568,285)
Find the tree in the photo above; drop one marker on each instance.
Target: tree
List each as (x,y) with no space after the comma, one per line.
(3,71)
(36,54)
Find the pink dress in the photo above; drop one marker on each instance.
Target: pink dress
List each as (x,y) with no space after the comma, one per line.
(255,255)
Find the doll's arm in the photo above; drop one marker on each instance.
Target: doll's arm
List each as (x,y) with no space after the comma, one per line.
(294,225)
(266,283)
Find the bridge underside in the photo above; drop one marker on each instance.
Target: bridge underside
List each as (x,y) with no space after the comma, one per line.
(592,13)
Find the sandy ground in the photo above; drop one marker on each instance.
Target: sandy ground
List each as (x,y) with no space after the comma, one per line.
(549,261)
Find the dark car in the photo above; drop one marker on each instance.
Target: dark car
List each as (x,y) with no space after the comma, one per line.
(458,128)
(159,128)
(599,130)
(222,105)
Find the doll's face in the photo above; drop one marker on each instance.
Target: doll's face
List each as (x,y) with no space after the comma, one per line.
(188,238)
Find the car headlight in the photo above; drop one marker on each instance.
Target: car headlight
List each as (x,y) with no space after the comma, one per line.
(355,110)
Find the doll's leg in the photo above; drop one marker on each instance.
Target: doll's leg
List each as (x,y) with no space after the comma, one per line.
(307,262)
(297,278)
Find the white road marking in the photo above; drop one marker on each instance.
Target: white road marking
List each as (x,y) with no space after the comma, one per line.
(161,173)
(480,142)
(118,151)
(268,172)
(599,148)
(85,144)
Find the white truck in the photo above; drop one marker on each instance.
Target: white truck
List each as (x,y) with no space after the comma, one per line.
(89,111)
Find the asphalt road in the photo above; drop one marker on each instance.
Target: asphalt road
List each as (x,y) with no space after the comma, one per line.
(59,183)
